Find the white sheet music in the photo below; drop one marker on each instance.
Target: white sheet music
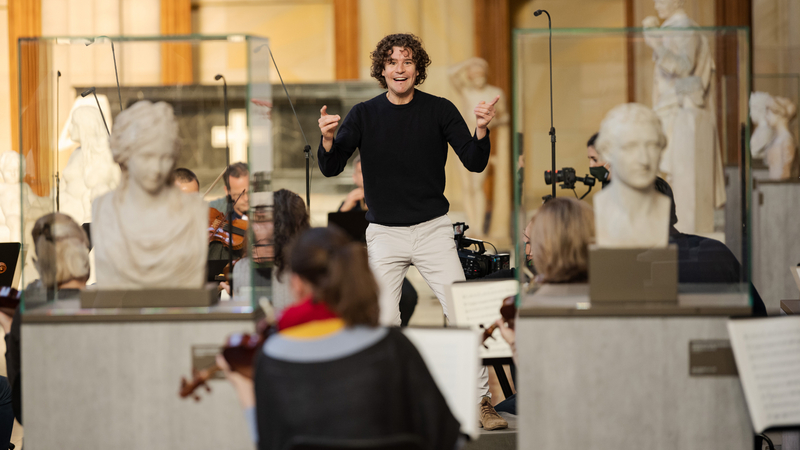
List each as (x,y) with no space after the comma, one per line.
(767,353)
(451,355)
(478,303)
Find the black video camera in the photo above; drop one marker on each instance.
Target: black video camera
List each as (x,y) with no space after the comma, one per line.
(477,264)
(566,176)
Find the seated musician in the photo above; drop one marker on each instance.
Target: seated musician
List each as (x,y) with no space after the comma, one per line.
(329,339)
(273,231)
(237,182)
(557,241)
(62,259)
(186,180)
(355,199)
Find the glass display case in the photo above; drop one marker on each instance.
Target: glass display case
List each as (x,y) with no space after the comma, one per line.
(696,80)
(66,159)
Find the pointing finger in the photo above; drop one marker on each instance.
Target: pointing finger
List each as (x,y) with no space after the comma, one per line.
(324,110)
(494,101)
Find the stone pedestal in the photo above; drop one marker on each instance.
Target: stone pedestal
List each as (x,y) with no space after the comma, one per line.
(102,379)
(775,220)
(609,378)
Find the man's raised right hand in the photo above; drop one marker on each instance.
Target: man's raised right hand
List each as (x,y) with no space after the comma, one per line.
(327,125)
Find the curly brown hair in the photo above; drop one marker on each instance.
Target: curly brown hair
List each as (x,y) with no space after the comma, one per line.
(384,50)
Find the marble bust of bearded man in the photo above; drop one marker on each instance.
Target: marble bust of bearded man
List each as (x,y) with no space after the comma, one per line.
(146,232)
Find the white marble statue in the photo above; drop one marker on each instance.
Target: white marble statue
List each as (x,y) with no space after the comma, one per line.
(772,139)
(10,201)
(65,142)
(468,78)
(146,232)
(13,196)
(683,97)
(630,213)
(18,201)
(91,170)
(5,231)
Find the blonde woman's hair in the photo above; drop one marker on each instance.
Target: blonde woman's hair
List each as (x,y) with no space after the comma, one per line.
(62,250)
(561,232)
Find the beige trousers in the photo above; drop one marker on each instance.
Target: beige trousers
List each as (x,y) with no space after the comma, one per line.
(430,247)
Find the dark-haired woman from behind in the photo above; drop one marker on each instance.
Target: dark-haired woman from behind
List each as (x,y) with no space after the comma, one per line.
(274,228)
(330,373)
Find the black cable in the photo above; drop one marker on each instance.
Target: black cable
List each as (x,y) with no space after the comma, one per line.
(307,148)
(587,193)
(769,441)
(574,192)
(495,248)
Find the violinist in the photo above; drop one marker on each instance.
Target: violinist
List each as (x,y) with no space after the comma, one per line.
(186,180)
(237,183)
(329,339)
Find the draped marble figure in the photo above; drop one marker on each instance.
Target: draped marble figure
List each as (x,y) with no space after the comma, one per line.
(771,139)
(468,78)
(90,171)
(146,232)
(630,213)
(683,98)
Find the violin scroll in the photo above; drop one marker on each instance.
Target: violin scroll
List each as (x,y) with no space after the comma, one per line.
(239,352)
(508,312)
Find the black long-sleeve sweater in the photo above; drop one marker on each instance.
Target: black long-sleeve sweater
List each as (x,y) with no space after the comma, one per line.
(403,154)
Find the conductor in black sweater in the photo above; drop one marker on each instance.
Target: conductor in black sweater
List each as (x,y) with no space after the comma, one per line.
(403,138)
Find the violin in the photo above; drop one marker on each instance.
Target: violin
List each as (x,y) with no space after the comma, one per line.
(509,313)
(218,229)
(239,351)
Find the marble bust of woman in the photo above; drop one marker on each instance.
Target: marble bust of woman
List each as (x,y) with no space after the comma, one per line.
(146,232)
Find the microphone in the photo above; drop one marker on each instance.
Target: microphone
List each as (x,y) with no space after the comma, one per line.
(92,90)
(552,133)
(116,73)
(229,212)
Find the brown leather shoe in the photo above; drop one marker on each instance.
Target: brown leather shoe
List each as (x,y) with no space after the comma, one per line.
(489,419)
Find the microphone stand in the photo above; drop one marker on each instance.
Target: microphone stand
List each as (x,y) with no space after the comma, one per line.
(58,161)
(552,128)
(92,90)
(229,212)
